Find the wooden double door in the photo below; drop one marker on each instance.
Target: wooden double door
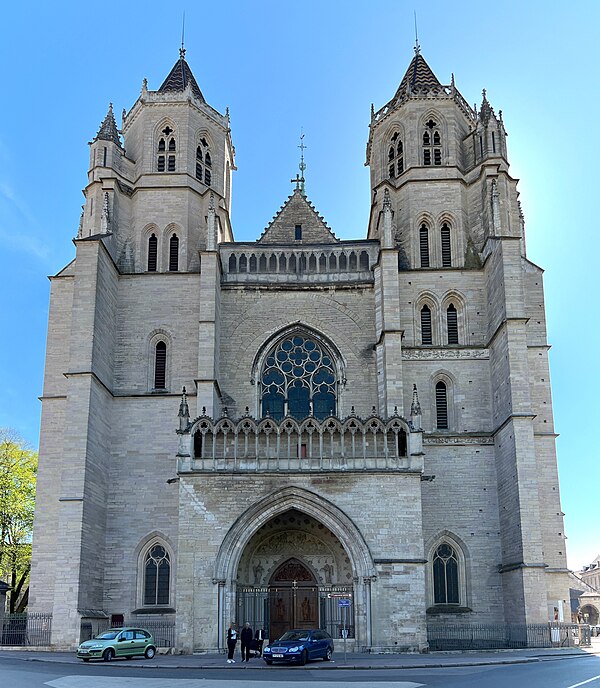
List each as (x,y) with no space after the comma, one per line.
(293,599)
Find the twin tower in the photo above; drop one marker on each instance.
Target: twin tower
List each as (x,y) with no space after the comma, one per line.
(367,418)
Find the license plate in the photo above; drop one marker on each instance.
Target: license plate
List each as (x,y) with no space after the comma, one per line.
(83,652)
(277,655)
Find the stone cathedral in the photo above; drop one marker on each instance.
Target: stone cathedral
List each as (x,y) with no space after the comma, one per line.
(252,431)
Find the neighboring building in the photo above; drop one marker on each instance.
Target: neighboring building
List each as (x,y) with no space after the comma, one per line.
(590,574)
(585,601)
(368,418)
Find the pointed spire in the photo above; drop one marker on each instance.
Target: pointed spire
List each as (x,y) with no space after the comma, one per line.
(180,78)
(419,78)
(108,129)
(184,411)
(415,409)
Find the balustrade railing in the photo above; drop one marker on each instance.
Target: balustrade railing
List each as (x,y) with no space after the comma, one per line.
(330,262)
(332,444)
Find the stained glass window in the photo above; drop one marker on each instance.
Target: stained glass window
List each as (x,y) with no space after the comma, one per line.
(298,378)
(157,572)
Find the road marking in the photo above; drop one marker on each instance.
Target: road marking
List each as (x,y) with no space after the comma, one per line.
(594,678)
(83,681)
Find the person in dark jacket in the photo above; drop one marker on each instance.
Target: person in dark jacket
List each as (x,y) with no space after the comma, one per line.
(260,636)
(246,637)
(232,636)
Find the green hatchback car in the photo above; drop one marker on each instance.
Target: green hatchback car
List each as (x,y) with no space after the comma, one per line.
(118,642)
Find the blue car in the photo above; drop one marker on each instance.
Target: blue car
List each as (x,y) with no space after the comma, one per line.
(300,646)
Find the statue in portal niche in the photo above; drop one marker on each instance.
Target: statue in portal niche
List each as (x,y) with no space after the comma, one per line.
(327,572)
(306,609)
(258,573)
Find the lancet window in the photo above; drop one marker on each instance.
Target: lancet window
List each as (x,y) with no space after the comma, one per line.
(445,575)
(203,162)
(157,576)
(432,143)
(166,149)
(298,379)
(395,156)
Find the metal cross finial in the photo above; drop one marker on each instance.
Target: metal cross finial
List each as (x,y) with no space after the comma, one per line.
(182,49)
(302,165)
(417,46)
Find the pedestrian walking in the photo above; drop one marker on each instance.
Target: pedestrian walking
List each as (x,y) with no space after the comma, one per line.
(232,636)
(260,636)
(246,637)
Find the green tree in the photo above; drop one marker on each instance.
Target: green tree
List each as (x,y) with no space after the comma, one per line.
(18,468)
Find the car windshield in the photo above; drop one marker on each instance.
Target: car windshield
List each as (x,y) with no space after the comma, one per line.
(109,635)
(294,635)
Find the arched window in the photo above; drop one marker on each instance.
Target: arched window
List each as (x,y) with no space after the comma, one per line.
(166,161)
(157,576)
(203,172)
(174,253)
(152,252)
(452,324)
(446,250)
(395,156)
(441,406)
(432,143)
(424,245)
(426,333)
(298,379)
(445,575)
(160,366)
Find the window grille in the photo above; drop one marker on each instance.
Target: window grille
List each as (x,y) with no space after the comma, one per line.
(432,142)
(160,366)
(152,253)
(161,145)
(445,576)
(426,333)
(171,145)
(174,253)
(171,163)
(299,380)
(161,163)
(446,250)
(452,322)
(441,406)
(395,157)
(424,245)
(157,576)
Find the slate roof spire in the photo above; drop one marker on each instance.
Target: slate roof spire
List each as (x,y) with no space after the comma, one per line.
(180,77)
(108,129)
(419,76)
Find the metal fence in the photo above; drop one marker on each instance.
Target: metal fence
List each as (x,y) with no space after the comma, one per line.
(31,629)
(163,631)
(505,636)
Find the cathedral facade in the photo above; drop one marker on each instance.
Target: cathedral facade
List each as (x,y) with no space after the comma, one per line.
(254,431)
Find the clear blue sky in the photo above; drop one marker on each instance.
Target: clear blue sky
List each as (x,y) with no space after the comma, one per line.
(317,65)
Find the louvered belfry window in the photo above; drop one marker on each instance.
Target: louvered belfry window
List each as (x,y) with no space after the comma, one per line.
(174,253)
(426,334)
(152,253)
(424,245)
(452,322)
(446,250)
(441,406)
(160,366)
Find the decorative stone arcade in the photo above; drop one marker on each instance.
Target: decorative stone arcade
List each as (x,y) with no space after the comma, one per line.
(271,531)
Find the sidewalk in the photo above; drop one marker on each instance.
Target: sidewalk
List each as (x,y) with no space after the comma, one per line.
(353,661)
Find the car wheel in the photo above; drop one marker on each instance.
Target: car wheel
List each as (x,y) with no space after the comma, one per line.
(304,657)
(269,661)
(150,652)
(108,655)
(328,654)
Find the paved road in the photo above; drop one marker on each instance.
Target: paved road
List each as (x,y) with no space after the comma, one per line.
(547,673)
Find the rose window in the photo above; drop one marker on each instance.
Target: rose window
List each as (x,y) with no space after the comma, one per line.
(298,380)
